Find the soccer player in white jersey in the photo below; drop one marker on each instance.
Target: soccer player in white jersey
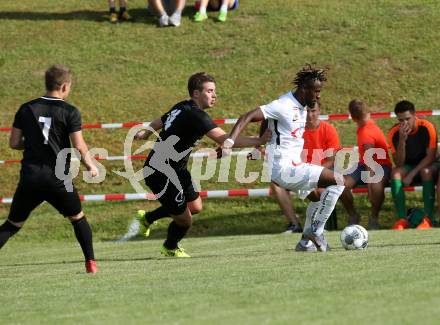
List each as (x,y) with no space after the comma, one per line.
(287,120)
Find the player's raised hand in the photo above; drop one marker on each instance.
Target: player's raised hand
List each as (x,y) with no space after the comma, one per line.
(404,130)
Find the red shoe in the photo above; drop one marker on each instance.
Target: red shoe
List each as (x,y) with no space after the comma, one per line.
(401,224)
(91,266)
(425,224)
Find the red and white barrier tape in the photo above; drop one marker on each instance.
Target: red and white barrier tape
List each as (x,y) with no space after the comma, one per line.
(200,154)
(220,194)
(330,117)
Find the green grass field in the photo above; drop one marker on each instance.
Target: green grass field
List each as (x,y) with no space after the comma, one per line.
(242,270)
(254,279)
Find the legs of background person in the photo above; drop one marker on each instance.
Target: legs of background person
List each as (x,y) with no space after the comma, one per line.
(157,7)
(348,201)
(397,174)
(284,201)
(327,201)
(376,195)
(123,14)
(201,13)
(113,14)
(176,18)
(438,196)
(427,176)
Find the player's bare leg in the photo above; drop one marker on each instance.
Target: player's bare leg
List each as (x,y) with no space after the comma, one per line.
(284,201)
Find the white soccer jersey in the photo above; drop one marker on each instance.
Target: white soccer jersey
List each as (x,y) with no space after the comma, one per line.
(287,121)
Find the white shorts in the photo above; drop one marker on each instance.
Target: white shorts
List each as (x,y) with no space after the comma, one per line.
(302,179)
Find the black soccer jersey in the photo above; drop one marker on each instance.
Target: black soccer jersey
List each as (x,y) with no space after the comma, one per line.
(46,123)
(422,138)
(189,123)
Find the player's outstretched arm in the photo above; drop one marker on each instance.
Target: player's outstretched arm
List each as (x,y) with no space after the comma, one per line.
(145,134)
(78,143)
(16,139)
(255,115)
(220,136)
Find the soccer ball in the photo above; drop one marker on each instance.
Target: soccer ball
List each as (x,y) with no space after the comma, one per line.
(354,237)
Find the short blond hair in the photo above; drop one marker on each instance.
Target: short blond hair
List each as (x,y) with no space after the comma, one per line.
(358,109)
(56,76)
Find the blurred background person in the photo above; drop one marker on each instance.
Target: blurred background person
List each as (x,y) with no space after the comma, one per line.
(122,15)
(222,6)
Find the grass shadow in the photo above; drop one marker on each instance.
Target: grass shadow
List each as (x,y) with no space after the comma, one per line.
(140,15)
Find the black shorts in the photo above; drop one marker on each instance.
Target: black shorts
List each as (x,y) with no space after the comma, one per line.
(171,198)
(38,183)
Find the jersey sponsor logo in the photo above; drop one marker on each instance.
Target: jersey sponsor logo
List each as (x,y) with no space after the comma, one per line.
(298,132)
(295,114)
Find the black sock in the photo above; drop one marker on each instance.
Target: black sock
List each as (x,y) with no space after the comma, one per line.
(121,11)
(7,230)
(175,234)
(83,234)
(157,214)
(113,10)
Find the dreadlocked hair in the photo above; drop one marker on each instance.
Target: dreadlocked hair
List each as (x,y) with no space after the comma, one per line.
(310,73)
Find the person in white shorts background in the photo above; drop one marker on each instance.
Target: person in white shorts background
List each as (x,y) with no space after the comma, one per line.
(287,119)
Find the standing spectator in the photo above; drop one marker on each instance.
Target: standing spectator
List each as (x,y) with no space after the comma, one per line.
(42,128)
(123,14)
(369,136)
(413,143)
(162,10)
(222,6)
(321,141)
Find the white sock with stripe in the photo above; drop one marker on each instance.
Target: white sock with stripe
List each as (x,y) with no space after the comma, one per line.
(327,203)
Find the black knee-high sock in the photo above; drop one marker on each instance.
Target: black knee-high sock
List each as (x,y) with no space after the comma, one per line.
(175,234)
(157,214)
(83,234)
(7,230)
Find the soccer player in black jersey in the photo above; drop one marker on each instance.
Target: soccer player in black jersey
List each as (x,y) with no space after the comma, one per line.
(165,169)
(42,128)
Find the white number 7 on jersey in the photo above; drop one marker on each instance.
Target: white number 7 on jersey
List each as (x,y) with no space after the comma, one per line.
(47,121)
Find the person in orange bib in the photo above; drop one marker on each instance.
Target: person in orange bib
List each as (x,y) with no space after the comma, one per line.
(413,143)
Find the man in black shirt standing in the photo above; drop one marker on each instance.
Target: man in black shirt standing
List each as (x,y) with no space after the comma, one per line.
(165,169)
(43,128)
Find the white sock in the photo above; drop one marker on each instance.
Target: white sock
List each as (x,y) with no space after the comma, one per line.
(310,212)
(224,7)
(202,10)
(327,203)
